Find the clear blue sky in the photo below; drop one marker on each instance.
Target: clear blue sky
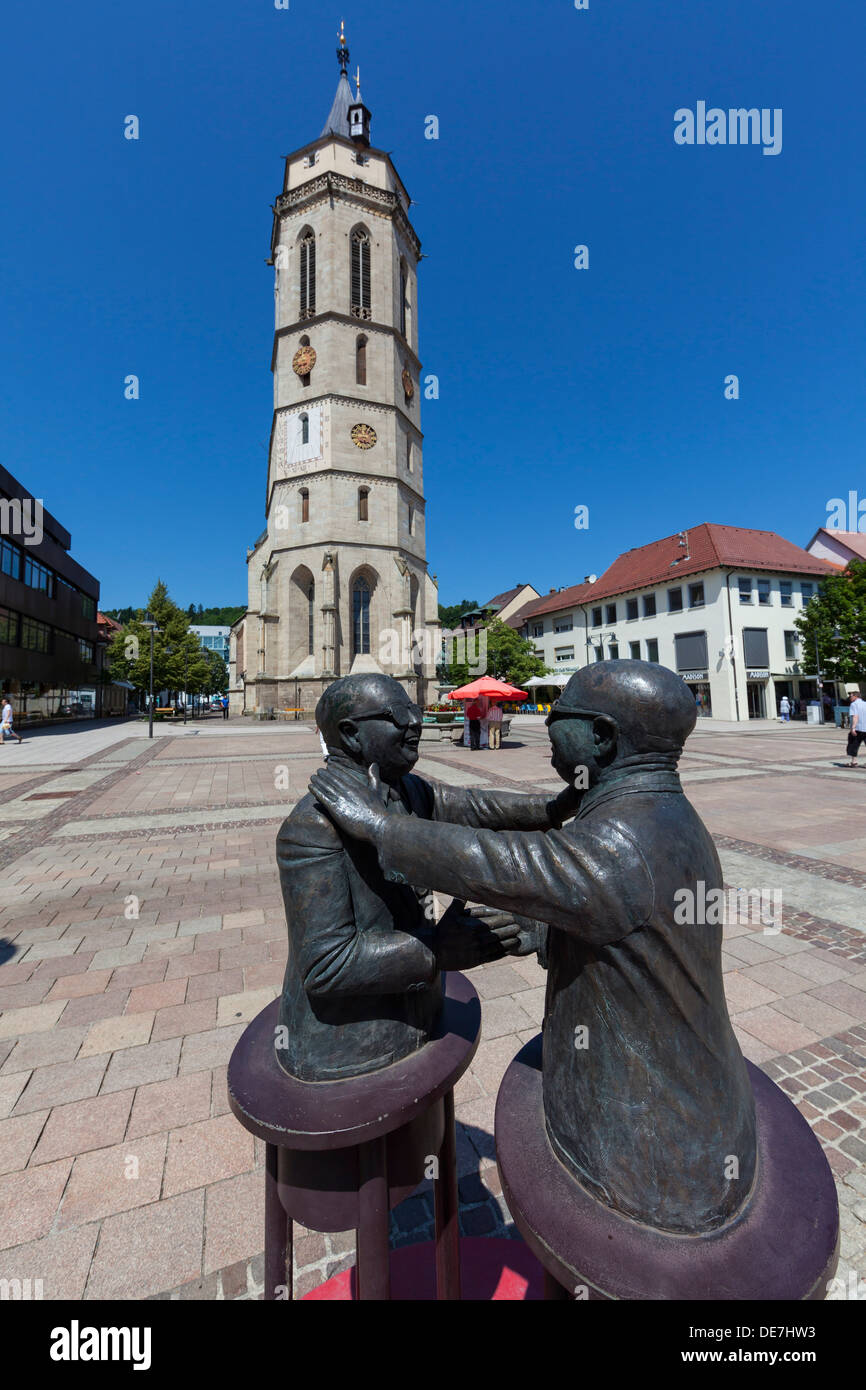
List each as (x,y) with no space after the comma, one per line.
(559,387)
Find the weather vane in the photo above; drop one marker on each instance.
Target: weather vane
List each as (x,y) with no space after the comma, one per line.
(358,83)
(343,50)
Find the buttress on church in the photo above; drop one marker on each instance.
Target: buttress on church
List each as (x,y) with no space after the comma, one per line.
(338,581)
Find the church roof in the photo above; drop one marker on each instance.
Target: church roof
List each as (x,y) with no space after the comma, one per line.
(338,120)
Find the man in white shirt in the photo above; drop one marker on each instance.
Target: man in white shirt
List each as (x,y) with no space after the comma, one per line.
(6,724)
(857,731)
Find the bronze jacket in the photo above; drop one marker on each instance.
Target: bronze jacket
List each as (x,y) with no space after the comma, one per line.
(646,1095)
(361,988)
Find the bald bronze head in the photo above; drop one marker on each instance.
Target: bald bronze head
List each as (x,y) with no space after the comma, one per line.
(618,710)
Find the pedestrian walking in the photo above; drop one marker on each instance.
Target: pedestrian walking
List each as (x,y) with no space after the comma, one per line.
(225,705)
(6,724)
(857,731)
(494,726)
(785,709)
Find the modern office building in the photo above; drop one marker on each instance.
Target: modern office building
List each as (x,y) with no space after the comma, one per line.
(213,639)
(48,608)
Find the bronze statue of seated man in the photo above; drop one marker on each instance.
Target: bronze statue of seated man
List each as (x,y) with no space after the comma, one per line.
(646,1096)
(362,984)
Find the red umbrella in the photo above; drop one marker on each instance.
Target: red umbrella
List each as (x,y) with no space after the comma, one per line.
(486,685)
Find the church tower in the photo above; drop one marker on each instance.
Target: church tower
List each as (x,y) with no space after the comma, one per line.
(338,581)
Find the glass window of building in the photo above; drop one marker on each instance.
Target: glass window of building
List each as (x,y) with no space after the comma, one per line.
(649,605)
(8,627)
(696,596)
(10,559)
(631,609)
(652,649)
(38,577)
(611,613)
(763,592)
(745,588)
(792,646)
(691,651)
(786,589)
(807,591)
(88,607)
(675,600)
(361,617)
(35,636)
(614,651)
(596,617)
(634,651)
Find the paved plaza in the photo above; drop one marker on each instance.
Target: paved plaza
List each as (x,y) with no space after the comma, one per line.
(141,928)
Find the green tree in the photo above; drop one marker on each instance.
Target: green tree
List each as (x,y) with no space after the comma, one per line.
(217,675)
(510,657)
(176,651)
(450,616)
(836,617)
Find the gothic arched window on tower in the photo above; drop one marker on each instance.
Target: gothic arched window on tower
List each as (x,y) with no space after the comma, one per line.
(361,361)
(361,617)
(305,429)
(409,454)
(363,510)
(361,274)
(305,504)
(311,616)
(308,276)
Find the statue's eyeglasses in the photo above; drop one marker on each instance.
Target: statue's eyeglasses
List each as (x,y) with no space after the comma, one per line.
(402,718)
(557,713)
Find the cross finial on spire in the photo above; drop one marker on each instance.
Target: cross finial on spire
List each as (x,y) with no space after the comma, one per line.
(343,50)
(358,84)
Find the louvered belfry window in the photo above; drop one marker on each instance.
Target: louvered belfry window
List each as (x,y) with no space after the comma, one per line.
(308,276)
(360,275)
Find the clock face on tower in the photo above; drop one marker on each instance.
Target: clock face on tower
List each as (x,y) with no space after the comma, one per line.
(304,360)
(363,436)
(408,384)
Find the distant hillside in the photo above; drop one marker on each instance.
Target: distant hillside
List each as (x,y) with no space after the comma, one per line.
(198,616)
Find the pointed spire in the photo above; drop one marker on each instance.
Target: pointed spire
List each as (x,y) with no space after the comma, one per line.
(342,120)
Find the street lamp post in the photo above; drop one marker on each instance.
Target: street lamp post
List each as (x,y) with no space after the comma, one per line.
(819,680)
(153,628)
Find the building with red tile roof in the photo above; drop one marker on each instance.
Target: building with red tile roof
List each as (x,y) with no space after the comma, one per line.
(837,547)
(715,603)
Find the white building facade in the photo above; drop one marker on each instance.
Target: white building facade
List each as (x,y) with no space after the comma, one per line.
(727,628)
